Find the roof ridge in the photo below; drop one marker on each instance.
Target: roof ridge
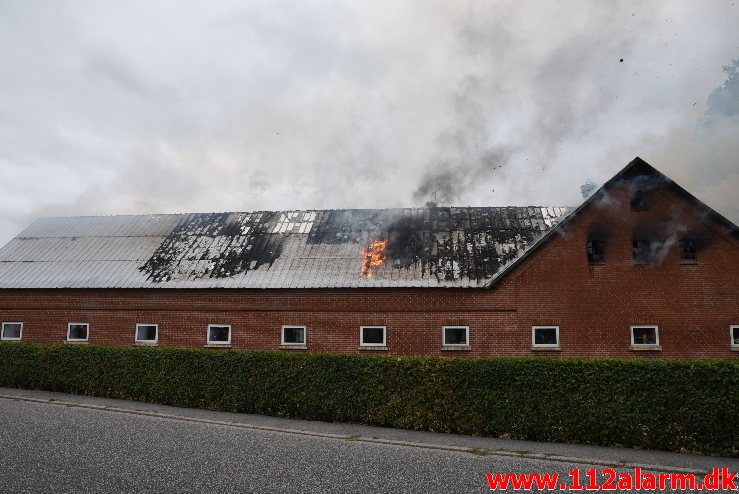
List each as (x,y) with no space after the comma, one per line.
(403,208)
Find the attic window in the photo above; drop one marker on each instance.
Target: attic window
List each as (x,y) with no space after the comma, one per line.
(639,201)
(641,251)
(595,252)
(687,250)
(146,333)
(644,337)
(219,334)
(12,331)
(78,331)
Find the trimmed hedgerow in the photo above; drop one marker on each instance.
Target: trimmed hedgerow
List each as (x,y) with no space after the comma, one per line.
(657,404)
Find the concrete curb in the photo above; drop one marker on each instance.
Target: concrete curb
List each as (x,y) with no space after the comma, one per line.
(361,438)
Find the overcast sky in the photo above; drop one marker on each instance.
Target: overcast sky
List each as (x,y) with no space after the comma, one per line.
(111,107)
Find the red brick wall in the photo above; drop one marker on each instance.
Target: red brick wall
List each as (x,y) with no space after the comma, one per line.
(693,304)
(594,306)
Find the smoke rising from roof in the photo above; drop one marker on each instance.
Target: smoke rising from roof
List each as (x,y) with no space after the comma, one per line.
(723,103)
(702,154)
(183,106)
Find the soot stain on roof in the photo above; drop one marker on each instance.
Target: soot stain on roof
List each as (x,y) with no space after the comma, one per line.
(440,242)
(451,243)
(443,242)
(223,244)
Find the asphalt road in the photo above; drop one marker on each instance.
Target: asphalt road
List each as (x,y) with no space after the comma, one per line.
(69,449)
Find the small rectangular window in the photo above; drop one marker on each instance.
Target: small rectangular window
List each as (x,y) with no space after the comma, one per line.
(734,336)
(456,335)
(372,336)
(641,251)
(12,331)
(644,336)
(639,201)
(219,334)
(146,333)
(687,250)
(545,336)
(78,331)
(293,335)
(595,252)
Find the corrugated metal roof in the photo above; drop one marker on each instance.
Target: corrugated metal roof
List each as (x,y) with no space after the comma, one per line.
(427,247)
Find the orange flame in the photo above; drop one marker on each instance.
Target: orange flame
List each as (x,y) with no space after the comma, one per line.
(374,255)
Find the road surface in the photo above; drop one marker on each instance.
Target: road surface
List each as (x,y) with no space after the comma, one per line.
(67,448)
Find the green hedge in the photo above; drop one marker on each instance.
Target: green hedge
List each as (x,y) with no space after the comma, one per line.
(671,405)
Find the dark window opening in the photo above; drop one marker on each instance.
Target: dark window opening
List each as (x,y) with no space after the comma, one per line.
(641,251)
(219,334)
(374,335)
(644,336)
(639,201)
(735,336)
(596,251)
(687,250)
(293,335)
(12,330)
(545,336)
(146,332)
(77,331)
(455,335)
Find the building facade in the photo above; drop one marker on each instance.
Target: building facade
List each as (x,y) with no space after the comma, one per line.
(640,269)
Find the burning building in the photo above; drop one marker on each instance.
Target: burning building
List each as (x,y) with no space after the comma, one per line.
(640,268)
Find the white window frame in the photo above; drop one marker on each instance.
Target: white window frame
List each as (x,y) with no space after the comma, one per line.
(455,345)
(217,343)
(156,334)
(731,334)
(643,345)
(69,330)
(4,338)
(534,344)
(361,336)
(291,344)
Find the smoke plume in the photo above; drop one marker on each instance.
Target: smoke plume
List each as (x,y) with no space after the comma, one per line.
(185,106)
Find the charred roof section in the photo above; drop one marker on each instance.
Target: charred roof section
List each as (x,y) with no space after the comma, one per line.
(444,244)
(428,247)
(216,245)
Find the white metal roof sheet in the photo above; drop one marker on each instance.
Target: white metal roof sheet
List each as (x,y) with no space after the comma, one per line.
(430,247)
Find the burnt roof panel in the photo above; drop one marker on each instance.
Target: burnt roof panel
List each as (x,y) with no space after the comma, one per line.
(433,247)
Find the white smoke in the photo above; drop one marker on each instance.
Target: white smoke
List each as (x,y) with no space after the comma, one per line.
(172,106)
